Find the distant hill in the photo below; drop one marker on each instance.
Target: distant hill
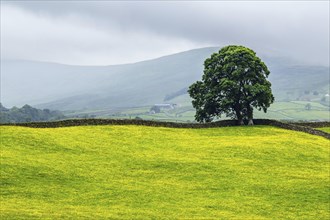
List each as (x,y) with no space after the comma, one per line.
(65,87)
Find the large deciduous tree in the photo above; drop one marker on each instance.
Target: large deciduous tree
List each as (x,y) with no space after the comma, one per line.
(233,84)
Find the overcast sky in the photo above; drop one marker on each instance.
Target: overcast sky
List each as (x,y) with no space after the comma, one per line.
(109,32)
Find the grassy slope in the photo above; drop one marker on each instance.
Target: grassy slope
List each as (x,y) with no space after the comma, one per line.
(144,172)
(326,129)
(293,110)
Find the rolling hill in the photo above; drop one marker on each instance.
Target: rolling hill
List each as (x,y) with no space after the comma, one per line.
(77,87)
(125,172)
(65,87)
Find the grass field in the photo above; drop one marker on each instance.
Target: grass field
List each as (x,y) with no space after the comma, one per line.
(137,172)
(289,110)
(326,129)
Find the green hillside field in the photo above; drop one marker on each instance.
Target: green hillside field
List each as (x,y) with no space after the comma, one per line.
(140,172)
(184,111)
(326,129)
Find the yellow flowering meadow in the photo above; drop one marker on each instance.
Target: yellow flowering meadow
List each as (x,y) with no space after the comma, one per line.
(140,172)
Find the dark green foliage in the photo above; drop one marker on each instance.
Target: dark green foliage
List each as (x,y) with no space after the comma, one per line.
(27,114)
(234,83)
(3,109)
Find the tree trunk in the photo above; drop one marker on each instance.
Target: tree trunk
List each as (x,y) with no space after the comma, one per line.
(240,121)
(239,118)
(250,122)
(250,115)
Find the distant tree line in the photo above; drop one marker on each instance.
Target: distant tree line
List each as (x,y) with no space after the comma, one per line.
(176,94)
(27,114)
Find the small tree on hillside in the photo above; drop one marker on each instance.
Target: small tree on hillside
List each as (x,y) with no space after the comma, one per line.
(233,84)
(308,106)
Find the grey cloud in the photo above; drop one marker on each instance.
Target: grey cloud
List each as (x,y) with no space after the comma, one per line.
(297,29)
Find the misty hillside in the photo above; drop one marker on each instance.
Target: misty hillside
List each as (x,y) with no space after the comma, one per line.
(65,87)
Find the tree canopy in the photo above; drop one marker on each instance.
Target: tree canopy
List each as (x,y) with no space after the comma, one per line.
(27,114)
(233,84)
